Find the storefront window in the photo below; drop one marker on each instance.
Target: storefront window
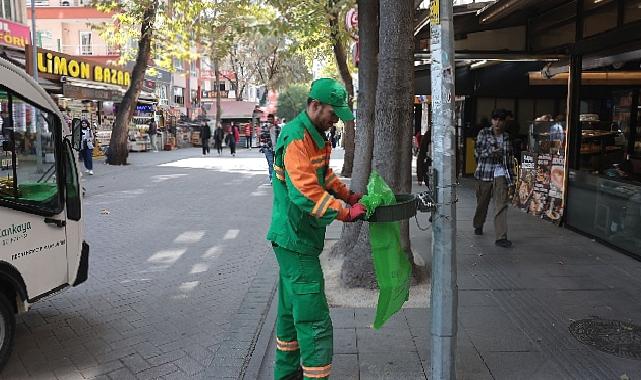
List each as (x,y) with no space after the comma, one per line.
(607,209)
(632,11)
(605,131)
(179,95)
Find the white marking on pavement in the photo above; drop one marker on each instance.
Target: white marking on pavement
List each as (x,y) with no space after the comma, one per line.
(199,268)
(165,177)
(189,237)
(231,235)
(166,257)
(188,286)
(212,252)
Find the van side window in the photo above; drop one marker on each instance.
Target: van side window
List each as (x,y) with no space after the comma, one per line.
(28,172)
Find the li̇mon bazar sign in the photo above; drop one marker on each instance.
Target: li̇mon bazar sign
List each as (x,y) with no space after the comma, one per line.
(54,65)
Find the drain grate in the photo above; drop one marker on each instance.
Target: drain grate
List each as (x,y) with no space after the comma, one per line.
(618,338)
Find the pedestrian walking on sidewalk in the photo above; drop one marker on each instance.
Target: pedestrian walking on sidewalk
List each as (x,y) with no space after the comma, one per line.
(231,143)
(494,174)
(86,151)
(219,136)
(267,143)
(205,135)
(303,207)
(248,136)
(153,135)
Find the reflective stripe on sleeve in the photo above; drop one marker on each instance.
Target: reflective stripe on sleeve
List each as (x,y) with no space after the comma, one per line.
(320,208)
(280,172)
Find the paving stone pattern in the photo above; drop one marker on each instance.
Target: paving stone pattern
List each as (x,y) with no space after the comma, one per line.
(515,307)
(180,275)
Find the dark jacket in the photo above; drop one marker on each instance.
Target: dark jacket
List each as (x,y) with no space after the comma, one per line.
(205,132)
(219,134)
(230,140)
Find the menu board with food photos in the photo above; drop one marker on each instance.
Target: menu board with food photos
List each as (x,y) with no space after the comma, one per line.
(526,181)
(541,185)
(554,207)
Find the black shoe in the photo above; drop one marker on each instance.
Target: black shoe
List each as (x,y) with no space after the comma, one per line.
(503,243)
(478,231)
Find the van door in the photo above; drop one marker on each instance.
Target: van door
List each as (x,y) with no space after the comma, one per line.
(32,218)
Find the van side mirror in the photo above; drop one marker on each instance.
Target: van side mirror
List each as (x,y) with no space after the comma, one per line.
(76,134)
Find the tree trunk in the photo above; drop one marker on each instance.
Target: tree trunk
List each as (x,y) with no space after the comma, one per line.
(120,133)
(217,84)
(341,62)
(358,269)
(394,103)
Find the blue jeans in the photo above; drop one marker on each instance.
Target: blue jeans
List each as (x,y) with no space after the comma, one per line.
(269,155)
(87,158)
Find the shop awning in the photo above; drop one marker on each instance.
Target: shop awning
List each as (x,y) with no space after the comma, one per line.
(232,110)
(613,78)
(86,90)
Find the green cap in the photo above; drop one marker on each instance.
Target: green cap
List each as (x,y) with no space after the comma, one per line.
(329,91)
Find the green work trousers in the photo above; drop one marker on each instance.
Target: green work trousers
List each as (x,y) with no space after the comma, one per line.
(303,328)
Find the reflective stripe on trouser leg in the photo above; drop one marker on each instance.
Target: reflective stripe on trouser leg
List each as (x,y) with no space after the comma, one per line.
(301,277)
(287,358)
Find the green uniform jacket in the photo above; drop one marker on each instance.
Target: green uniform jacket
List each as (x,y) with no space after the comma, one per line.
(306,189)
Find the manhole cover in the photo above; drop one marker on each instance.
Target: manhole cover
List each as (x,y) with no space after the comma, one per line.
(618,338)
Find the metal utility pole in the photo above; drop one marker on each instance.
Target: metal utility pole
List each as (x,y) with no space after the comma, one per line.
(35,114)
(444,290)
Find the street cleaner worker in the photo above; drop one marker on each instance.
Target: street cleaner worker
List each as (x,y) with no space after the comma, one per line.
(307,198)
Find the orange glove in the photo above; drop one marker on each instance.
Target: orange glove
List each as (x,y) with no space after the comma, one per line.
(354,198)
(356,212)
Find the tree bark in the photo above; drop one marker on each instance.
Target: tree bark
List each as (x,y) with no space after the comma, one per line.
(217,84)
(394,103)
(340,54)
(358,269)
(120,133)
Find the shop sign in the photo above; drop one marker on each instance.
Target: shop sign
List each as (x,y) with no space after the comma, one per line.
(526,181)
(435,13)
(554,209)
(55,65)
(13,34)
(79,92)
(212,94)
(145,107)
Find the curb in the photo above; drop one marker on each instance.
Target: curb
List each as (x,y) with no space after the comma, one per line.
(244,334)
(264,337)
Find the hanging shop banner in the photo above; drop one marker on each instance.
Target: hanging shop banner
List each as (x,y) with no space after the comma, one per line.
(13,34)
(554,208)
(54,65)
(526,181)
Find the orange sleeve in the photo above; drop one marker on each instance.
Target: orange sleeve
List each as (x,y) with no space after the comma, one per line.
(304,189)
(333,184)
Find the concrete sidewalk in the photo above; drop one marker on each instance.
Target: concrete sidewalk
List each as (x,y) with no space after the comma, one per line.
(515,309)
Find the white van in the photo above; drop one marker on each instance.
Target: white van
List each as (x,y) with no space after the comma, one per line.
(41,236)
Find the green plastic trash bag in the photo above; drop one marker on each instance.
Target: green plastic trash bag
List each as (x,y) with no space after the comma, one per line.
(391,265)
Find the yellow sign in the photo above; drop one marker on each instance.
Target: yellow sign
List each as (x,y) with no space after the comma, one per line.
(435,15)
(57,64)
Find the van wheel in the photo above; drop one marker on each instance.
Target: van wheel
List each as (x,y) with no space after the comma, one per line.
(7,330)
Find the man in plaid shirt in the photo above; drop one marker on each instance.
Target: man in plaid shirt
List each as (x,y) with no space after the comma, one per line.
(494,174)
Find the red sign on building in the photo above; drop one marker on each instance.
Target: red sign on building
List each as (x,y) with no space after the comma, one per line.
(13,34)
